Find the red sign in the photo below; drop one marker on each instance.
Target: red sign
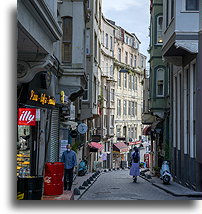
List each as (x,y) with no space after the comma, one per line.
(135,143)
(27,116)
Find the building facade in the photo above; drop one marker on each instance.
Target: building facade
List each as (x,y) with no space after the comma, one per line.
(37,80)
(129,66)
(89,103)
(158,117)
(180,50)
(106,97)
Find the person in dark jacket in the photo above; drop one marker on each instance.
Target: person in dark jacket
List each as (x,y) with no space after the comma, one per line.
(69,160)
(135,168)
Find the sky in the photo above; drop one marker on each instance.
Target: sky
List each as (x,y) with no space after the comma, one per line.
(133,16)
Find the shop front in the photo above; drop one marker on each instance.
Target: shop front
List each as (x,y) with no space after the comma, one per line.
(36,105)
(120,151)
(94,154)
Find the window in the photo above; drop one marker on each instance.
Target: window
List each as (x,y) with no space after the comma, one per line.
(126,58)
(160,82)
(85,96)
(172,8)
(95,46)
(135,132)
(167,12)
(133,109)
(132,132)
(125,80)
(119,54)
(119,79)
(131,59)
(106,68)
(142,61)
(112,95)
(111,71)
(136,82)
(126,39)
(129,132)
(130,82)
(118,132)
(192,4)
(159,30)
(112,121)
(125,107)
(88,41)
(135,61)
(111,43)
(106,40)
(103,38)
(105,121)
(129,107)
(118,107)
(95,93)
(67,40)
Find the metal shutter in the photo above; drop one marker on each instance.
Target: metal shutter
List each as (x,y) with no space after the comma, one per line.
(54,136)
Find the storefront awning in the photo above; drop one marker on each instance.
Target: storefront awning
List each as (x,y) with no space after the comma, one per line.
(95,146)
(135,142)
(120,146)
(146,130)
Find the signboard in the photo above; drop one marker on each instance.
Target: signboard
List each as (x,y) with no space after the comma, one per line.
(42,98)
(27,116)
(63,144)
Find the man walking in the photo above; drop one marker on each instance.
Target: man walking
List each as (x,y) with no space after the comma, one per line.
(69,160)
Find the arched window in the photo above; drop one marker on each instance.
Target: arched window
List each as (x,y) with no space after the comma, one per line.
(159,29)
(160,73)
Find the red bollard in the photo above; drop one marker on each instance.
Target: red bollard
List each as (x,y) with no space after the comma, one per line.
(54,178)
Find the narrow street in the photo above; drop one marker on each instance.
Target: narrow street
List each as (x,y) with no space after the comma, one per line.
(118,185)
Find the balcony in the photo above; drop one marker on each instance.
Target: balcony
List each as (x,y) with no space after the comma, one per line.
(181,34)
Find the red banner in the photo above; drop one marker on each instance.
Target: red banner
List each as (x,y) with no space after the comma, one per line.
(27,116)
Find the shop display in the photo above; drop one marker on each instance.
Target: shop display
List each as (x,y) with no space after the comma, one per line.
(23,151)
(23,163)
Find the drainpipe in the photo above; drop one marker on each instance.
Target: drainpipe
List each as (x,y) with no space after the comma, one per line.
(199,107)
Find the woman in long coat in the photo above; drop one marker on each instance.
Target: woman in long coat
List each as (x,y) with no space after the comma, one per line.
(135,167)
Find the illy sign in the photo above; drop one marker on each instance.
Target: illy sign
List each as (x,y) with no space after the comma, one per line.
(27,116)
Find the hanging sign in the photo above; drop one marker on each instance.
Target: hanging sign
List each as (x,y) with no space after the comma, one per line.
(27,116)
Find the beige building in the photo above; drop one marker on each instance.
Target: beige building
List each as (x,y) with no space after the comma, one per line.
(129,69)
(106,97)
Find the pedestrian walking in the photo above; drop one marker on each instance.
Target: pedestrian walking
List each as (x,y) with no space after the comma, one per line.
(69,160)
(135,161)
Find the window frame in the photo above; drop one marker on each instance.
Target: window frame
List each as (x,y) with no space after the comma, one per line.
(159,31)
(196,6)
(159,79)
(68,41)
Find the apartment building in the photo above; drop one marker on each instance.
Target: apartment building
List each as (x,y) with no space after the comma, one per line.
(89,103)
(180,50)
(106,97)
(157,115)
(129,66)
(37,79)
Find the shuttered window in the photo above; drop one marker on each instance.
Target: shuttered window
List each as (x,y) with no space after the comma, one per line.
(67,40)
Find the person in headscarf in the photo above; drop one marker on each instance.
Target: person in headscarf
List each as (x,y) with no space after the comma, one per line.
(135,167)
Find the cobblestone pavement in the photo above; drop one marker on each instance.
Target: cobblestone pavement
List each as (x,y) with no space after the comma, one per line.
(118,185)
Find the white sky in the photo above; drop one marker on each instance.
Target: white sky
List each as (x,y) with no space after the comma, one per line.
(133,16)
